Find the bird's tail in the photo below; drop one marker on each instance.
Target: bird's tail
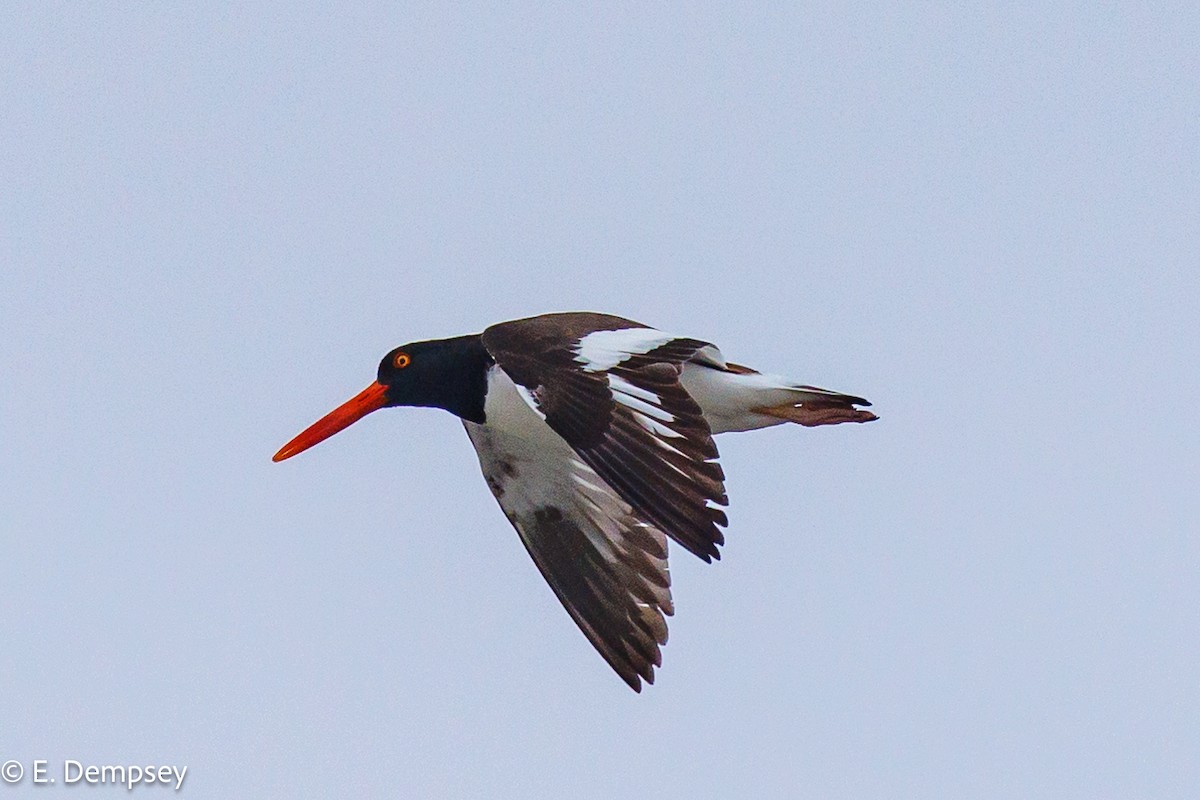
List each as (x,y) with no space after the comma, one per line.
(737,398)
(811,406)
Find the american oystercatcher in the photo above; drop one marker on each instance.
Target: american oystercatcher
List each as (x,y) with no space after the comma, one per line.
(595,434)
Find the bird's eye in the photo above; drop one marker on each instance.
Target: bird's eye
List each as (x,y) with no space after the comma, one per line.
(401,360)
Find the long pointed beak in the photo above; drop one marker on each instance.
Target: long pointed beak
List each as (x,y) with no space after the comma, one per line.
(372,398)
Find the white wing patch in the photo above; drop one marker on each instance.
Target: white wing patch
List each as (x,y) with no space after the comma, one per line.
(602,350)
(642,402)
(647,411)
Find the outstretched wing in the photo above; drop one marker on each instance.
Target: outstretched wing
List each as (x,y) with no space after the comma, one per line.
(608,568)
(610,387)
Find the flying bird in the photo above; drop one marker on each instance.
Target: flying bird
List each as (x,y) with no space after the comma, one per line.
(595,434)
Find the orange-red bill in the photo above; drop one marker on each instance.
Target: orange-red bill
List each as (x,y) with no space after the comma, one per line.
(372,398)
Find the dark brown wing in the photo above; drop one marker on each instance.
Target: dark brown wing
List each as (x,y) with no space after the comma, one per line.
(608,569)
(610,387)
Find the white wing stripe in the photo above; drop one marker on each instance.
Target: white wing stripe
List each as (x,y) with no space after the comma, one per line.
(619,384)
(638,407)
(658,429)
(600,351)
(642,407)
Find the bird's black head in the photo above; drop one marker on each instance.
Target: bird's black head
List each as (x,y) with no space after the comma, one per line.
(444,373)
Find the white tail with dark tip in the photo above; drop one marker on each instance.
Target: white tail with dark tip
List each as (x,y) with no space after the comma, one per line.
(739,399)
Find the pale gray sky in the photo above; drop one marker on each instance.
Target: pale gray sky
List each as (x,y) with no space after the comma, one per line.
(986,219)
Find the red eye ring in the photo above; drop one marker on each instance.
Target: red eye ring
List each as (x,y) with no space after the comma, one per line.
(401,360)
